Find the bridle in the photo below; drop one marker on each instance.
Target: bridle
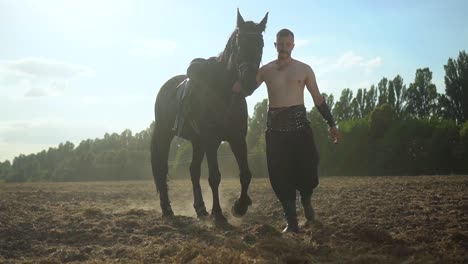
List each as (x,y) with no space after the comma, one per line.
(247,64)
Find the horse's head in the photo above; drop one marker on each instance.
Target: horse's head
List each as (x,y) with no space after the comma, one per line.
(248,52)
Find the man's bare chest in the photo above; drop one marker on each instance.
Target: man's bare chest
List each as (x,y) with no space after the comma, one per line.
(285,77)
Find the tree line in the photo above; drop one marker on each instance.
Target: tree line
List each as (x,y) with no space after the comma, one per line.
(390,128)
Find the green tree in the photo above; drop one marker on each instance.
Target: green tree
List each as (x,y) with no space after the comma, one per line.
(350,156)
(381,120)
(462,150)
(126,138)
(443,143)
(343,109)
(358,104)
(5,168)
(183,158)
(321,137)
(382,86)
(257,124)
(422,95)
(370,100)
(364,102)
(396,95)
(456,88)
(329,99)
(24,168)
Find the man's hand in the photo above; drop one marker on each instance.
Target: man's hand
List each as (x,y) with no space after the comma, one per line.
(236,87)
(335,134)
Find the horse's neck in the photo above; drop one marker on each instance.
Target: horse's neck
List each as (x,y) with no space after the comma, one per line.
(230,73)
(225,77)
(218,94)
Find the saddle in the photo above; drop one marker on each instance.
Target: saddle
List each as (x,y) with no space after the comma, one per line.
(184,103)
(197,74)
(183,90)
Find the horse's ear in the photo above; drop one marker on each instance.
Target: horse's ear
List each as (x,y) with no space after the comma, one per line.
(240,20)
(262,24)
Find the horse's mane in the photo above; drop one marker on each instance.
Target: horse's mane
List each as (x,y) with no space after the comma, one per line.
(225,55)
(230,49)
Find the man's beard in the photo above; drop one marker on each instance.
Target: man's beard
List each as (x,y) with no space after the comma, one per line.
(283,55)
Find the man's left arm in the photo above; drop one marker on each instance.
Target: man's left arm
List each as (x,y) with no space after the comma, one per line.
(320,103)
(311,85)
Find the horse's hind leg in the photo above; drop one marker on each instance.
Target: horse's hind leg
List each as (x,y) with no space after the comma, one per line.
(160,145)
(241,205)
(195,172)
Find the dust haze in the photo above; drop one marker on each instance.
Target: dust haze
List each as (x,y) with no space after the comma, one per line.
(360,220)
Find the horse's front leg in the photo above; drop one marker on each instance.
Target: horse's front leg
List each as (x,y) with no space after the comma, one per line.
(214,178)
(241,205)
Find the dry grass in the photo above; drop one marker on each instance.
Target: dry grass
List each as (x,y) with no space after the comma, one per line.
(360,220)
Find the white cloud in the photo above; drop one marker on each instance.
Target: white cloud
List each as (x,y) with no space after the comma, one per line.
(311,40)
(38,76)
(31,136)
(154,48)
(440,84)
(91,100)
(53,88)
(46,68)
(372,63)
(44,130)
(117,100)
(299,43)
(348,70)
(8,150)
(350,60)
(36,92)
(316,62)
(363,84)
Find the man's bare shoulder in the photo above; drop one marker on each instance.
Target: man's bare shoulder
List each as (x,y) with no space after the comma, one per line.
(266,68)
(303,65)
(269,65)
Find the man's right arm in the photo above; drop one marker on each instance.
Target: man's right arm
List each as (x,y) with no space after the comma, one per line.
(259,77)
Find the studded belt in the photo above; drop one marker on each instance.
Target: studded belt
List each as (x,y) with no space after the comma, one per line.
(292,118)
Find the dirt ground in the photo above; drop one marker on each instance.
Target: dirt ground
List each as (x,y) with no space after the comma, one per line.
(359,220)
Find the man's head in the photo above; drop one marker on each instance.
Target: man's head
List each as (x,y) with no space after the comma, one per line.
(284,43)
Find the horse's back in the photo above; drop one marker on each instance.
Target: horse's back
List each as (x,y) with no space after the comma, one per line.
(165,108)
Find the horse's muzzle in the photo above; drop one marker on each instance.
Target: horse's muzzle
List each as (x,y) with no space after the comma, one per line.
(247,76)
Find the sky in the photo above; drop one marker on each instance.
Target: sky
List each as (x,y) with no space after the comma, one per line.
(72,70)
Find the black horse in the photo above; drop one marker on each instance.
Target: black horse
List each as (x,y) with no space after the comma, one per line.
(216,114)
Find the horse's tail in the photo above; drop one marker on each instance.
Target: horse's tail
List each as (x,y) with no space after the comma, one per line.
(165,109)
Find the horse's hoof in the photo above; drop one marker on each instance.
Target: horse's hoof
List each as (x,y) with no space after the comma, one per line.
(240,207)
(219,218)
(202,214)
(308,224)
(167,213)
(201,210)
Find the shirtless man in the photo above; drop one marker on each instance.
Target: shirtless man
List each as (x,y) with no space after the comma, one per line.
(291,153)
